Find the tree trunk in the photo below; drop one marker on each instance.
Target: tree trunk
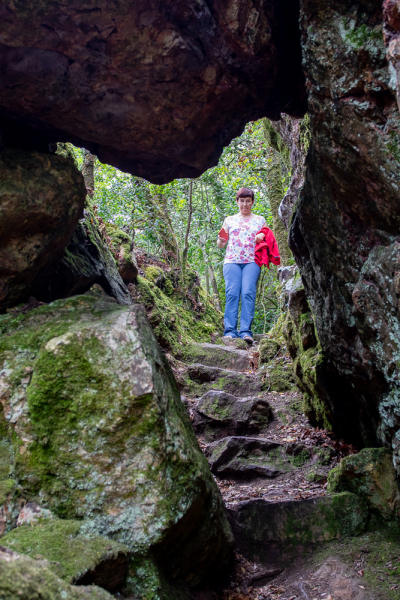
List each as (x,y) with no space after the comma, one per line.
(88,170)
(214,287)
(186,246)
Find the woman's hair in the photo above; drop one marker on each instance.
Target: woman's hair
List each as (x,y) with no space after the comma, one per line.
(245,193)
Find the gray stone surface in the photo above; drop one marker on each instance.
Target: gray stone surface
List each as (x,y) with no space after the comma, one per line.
(103,437)
(269,533)
(200,378)
(241,457)
(215,355)
(219,414)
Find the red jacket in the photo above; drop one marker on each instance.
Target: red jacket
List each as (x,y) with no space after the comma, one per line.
(267,251)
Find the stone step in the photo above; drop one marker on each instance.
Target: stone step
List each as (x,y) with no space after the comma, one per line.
(270,533)
(215,355)
(199,379)
(240,457)
(219,414)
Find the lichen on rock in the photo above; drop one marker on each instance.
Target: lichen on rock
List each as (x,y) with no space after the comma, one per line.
(371,476)
(100,434)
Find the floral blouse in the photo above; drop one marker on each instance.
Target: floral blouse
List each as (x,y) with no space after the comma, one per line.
(242,233)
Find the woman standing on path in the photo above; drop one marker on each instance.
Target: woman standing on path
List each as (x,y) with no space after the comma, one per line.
(241,272)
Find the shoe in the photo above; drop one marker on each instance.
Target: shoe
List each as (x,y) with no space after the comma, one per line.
(248,339)
(232,337)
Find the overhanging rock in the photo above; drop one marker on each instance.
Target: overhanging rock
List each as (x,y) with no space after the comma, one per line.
(154,88)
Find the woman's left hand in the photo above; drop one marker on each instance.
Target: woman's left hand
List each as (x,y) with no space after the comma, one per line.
(259,237)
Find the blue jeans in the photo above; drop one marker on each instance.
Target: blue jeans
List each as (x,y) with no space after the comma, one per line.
(240,280)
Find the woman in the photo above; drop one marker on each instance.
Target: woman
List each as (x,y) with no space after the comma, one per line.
(241,272)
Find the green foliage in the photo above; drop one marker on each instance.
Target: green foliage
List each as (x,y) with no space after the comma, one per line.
(157,215)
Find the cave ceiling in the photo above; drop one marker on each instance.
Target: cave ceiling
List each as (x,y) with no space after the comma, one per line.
(154,88)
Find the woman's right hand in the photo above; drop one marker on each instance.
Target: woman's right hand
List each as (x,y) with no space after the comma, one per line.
(220,241)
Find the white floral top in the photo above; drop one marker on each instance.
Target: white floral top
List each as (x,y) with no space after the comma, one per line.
(242,233)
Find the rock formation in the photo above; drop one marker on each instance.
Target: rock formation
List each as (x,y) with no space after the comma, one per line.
(345,232)
(41,200)
(89,258)
(94,430)
(156,89)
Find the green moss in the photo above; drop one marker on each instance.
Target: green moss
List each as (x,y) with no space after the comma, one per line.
(324,455)
(300,459)
(328,518)
(152,273)
(174,322)
(268,349)
(279,377)
(379,551)
(69,554)
(26,579)
(369,474)
(360,37)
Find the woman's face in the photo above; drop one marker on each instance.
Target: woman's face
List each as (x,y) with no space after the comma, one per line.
(245,205)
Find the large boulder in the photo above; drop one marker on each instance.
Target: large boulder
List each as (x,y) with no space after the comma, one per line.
(88,259)
(22,578)
(271,532)
(156,89)
(122,247)
(41,200)
(369,474)
(99,434)
(345,228)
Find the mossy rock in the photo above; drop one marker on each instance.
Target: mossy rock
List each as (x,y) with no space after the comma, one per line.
(122,246)
(173,319)
(214,355)
(22,578)
(99,433)
(154,274)
(72,557)
(279,377)
(287,528)
(268,349)
(371,475)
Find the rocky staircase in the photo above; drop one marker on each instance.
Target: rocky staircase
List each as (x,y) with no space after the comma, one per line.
(270,465)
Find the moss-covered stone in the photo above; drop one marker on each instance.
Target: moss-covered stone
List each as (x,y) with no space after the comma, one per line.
(263,527)
(22,578)
(219,414)
(215,355)
(369,474)
(100,434)
(278,377)
(174,319)
(268,349)
(122,247)
(69,555)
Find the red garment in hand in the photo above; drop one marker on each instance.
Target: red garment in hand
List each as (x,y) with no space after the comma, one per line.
(267,251)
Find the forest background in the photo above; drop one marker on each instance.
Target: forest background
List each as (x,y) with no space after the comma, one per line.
(179,221)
